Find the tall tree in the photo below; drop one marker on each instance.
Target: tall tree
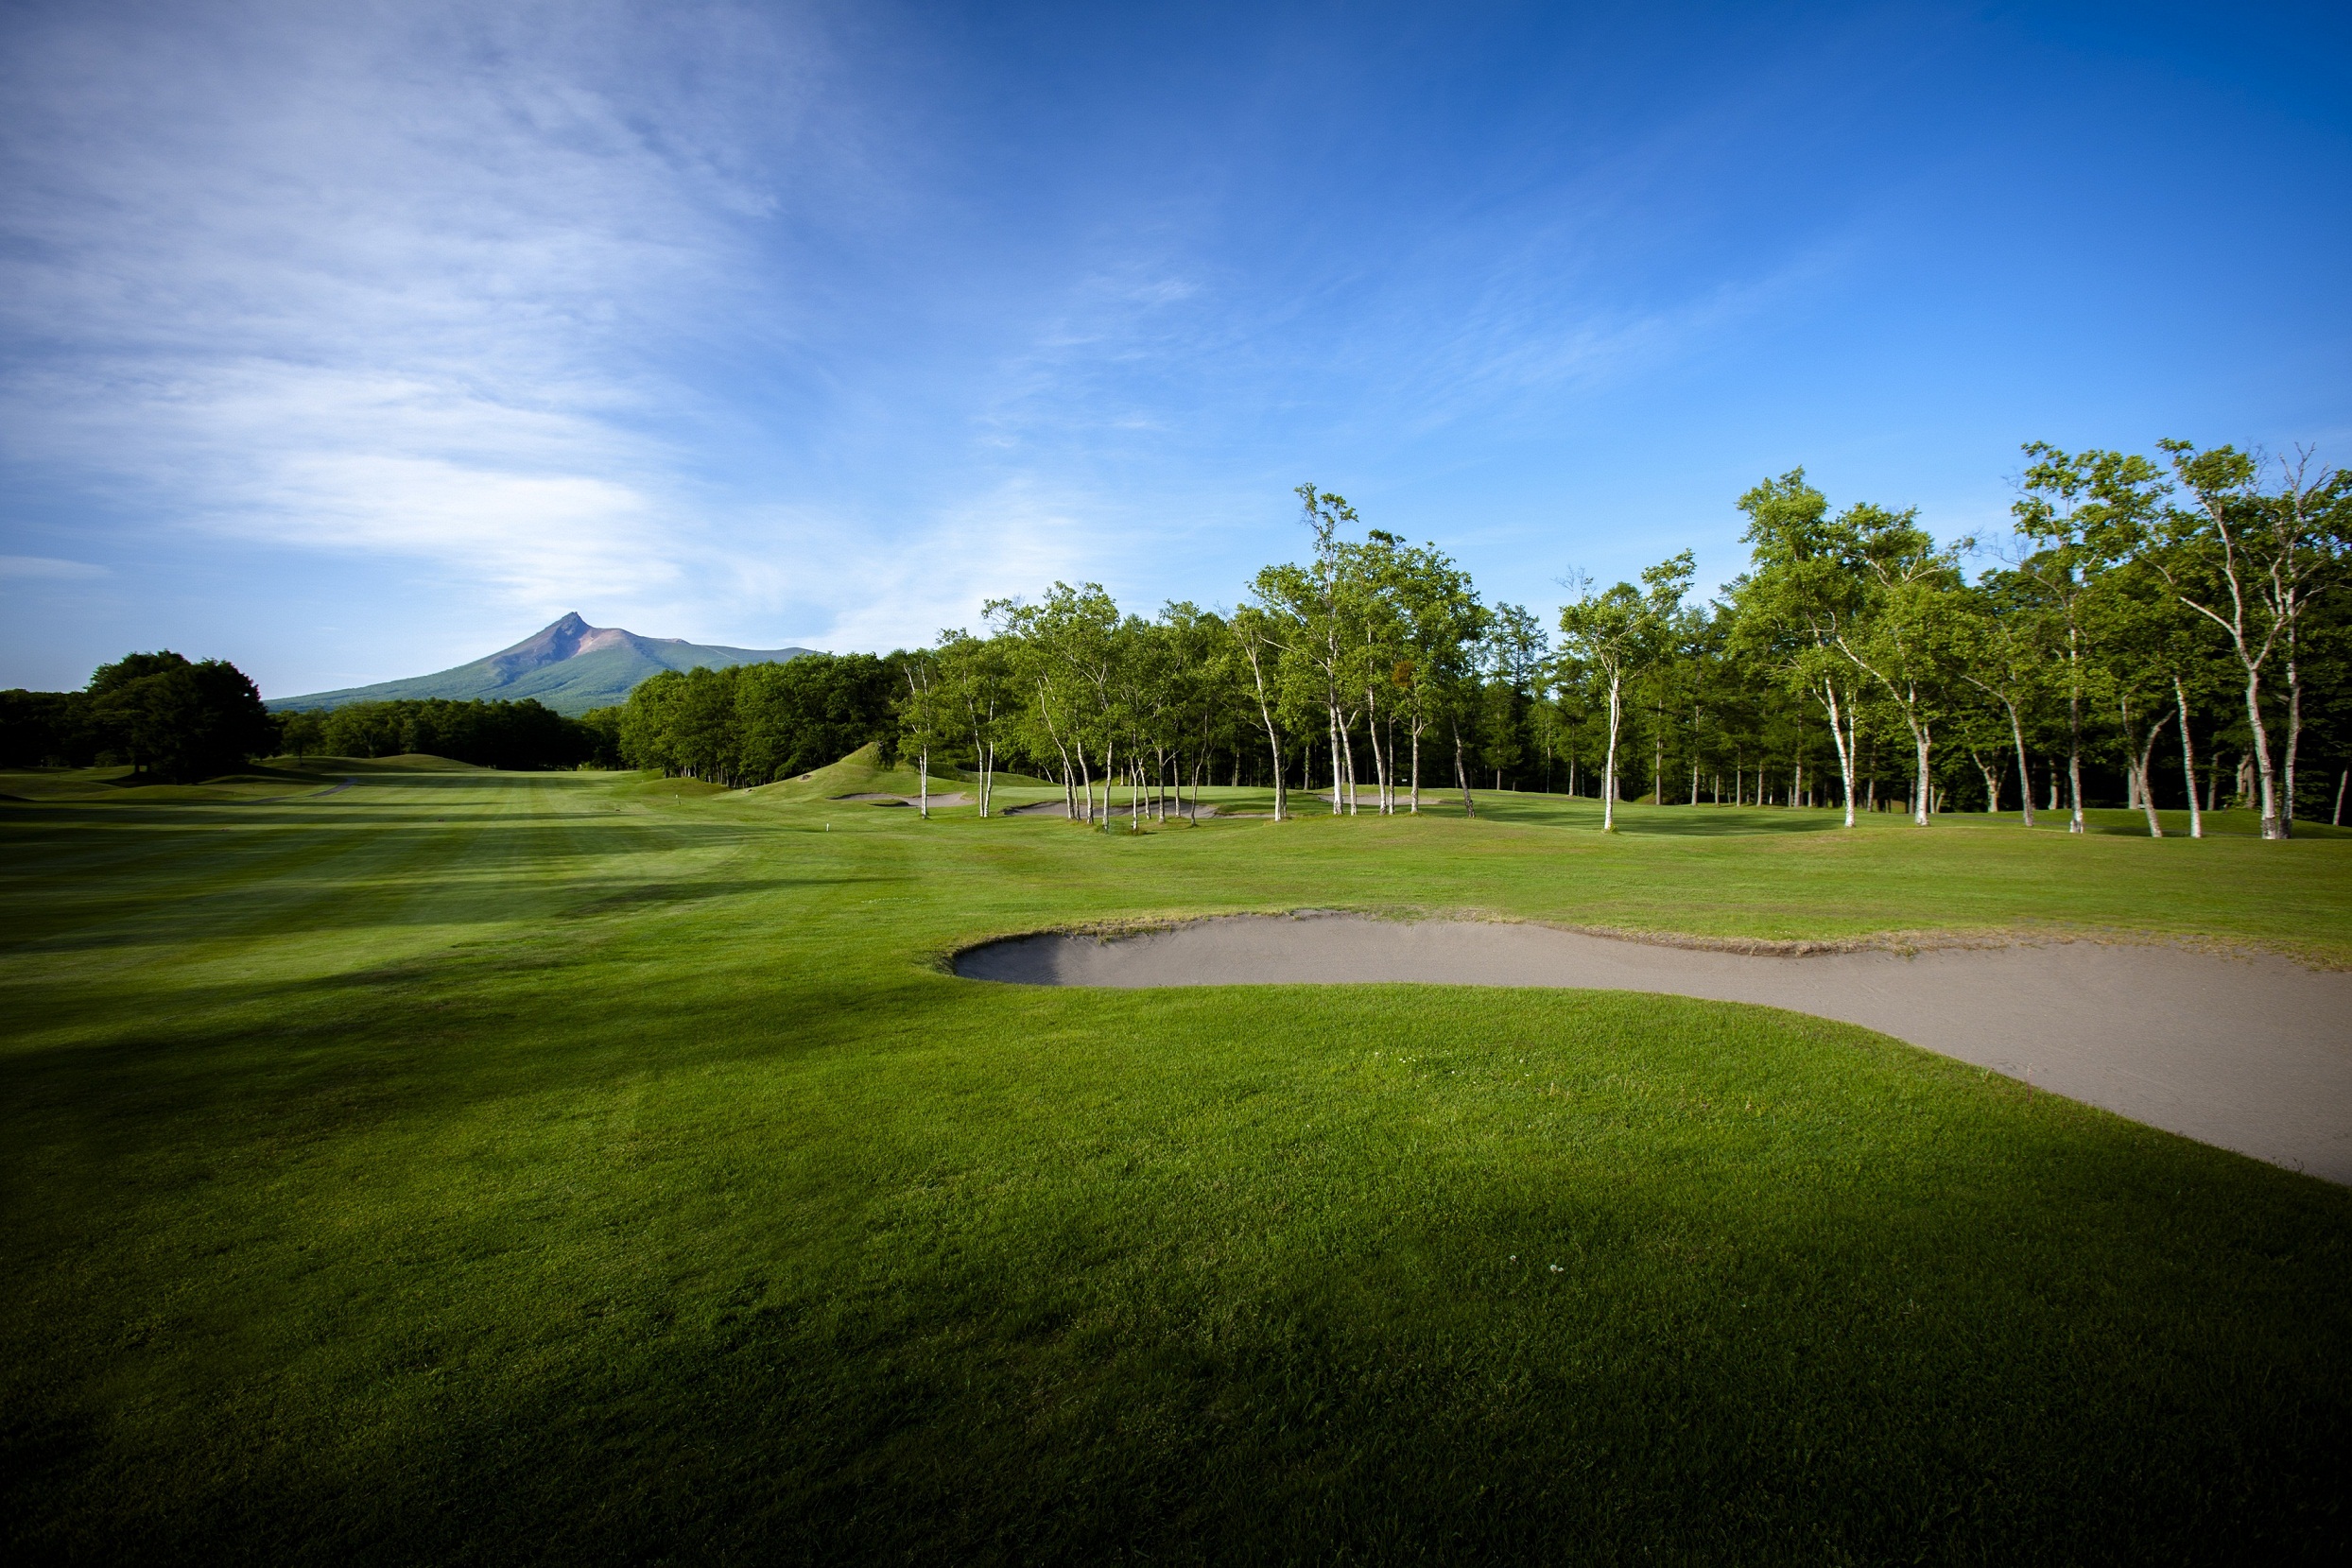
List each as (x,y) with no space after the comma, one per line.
(2253,562)
(1800,600)
(181,722)
(1260,636)
(1616,634)
(2001,631)
(2081,513)
(1907,639)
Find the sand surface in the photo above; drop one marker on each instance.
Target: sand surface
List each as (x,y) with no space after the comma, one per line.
(938,800)
(2251,1053)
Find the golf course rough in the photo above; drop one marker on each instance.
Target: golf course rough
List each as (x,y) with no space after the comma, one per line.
(468,1167)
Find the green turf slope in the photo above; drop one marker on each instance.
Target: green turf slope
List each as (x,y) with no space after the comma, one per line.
(861,773)
(481,1167)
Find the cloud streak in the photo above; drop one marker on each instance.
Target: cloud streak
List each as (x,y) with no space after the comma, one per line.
(394,288)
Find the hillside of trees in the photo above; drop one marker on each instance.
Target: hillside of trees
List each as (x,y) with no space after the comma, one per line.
(2158,632)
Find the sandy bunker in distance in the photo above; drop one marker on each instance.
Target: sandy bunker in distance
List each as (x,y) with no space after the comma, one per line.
(2250,1053)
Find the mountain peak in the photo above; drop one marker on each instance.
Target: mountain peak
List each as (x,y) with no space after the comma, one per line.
(566,638)
(553,664)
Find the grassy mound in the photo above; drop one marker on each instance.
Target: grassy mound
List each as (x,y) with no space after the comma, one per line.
(478,1165)
(861,773)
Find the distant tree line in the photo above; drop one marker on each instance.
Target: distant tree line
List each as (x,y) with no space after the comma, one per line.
(1858,662)
(178,721)
(2169,630)
(750,724)
(523,735)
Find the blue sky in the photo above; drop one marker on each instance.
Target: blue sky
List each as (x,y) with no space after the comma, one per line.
(352,341)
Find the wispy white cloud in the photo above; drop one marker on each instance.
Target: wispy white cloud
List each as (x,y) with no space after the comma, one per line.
(47,568)
(935,573)
(382,280)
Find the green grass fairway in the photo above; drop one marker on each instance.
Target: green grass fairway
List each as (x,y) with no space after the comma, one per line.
(473,1168)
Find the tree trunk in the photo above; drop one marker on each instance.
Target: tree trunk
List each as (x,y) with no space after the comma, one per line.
(1331,738)
(1923,798)
(1282,777)
(1841,735)
(1462,776)
(1418,722)
(2273,826)
(2025,777)
(2189,762)
(923,784)
(1608,770)
(2146,769)
(1992,783)
(2295,737)
(2342,778)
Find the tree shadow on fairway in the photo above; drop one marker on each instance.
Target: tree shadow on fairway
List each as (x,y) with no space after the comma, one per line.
(1726,822)
(1576,813)
(954,1276)
(443,899)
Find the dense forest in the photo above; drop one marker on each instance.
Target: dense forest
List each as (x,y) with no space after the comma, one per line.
(523,735)
(178,722)
(2156,633)
(171,718)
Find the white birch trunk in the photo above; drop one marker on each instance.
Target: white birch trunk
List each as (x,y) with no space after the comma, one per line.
(2189,762)
(1839,735)
(2146,765)
(1922,797)
(1608,770)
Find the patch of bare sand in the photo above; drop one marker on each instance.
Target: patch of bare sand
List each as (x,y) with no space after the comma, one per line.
(2249,1052)
(938,801)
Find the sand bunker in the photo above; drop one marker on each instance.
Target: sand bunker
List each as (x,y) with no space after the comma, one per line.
(938,801)
(2253,1054)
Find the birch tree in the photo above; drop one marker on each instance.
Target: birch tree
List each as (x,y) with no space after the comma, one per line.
(2253,564)
(1616,634)
(920,720)
(1799,601)
(1444,622)
(1257,635)
(1907,639)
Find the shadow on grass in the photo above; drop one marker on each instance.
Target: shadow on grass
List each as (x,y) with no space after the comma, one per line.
(1104,1281)
(1672,821)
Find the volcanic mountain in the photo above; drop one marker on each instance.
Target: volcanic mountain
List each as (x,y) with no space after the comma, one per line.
(571,666)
